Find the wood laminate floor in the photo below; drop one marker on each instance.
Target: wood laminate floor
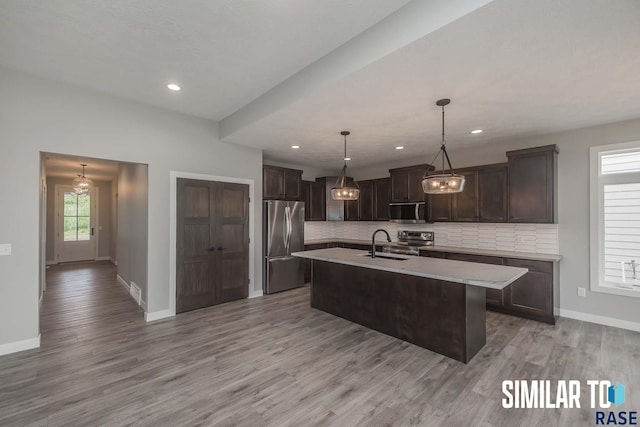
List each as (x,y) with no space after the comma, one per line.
(275,361)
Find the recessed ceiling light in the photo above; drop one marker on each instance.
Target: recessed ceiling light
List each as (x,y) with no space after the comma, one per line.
(347,158)
(174,87)
(476,131)
(399,147)
(295,147)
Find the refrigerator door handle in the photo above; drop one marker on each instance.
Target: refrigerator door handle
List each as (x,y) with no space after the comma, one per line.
(289,226)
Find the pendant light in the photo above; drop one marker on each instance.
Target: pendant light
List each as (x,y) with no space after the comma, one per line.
(82,184)
(444,182)
(342,191)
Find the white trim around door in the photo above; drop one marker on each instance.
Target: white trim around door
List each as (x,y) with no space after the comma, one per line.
(173,194)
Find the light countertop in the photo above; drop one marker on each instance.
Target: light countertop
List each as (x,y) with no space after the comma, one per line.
(488,252)
(468,273)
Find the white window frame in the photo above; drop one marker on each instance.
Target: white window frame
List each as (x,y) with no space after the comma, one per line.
(597,182)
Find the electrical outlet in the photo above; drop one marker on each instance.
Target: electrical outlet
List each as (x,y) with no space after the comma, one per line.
(5,249)
(582,292)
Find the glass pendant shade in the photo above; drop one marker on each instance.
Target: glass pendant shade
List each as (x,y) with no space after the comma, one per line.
(342,190)
(443,183)
(82,184)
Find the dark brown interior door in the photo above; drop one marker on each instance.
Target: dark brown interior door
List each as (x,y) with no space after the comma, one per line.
(195,256)
(232,250)
(212,243)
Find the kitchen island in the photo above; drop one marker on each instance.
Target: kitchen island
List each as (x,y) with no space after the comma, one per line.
(434,303)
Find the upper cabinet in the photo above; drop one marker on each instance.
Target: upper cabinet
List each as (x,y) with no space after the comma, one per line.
(464,205)
(484,198)
(532,184)
(373,203)
(406,183)
(281,183)
(381,199)
(492,193)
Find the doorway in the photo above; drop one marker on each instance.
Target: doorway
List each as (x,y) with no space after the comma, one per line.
(76,219)
(212,243)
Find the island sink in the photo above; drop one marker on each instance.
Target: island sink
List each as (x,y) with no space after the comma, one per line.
(394,257)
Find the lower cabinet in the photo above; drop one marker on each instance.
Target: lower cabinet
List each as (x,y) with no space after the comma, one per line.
(530,296)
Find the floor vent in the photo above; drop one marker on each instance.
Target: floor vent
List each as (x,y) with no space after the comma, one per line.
(135,292)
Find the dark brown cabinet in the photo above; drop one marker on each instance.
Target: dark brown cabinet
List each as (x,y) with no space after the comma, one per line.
(373,203)
(406,183)
(464,205)
(484,198)
(492,193)
(305,196)
(532,184)
(281,183)
(317,200)
(381,199)
(531,296)
(438,207)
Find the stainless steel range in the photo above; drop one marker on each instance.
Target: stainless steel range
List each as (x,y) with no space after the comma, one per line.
(410,242)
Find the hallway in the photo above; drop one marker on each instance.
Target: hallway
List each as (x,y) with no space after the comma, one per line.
(80,298)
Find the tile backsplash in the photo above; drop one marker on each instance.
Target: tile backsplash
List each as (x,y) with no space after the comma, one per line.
(534,238)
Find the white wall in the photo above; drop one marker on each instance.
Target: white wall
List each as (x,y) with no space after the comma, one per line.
(39,115)
(132,220)
(573,206)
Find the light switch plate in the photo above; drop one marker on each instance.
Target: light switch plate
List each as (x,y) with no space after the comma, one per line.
(582,292)
(5,249)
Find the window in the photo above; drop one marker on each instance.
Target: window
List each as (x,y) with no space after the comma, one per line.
(77,217)
(615,219)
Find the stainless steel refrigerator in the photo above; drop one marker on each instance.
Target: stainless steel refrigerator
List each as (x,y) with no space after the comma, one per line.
(283,235)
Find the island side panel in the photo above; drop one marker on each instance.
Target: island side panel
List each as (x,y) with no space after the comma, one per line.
(441,316)
(476,299)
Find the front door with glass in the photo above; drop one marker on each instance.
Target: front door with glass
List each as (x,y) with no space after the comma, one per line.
(75,231)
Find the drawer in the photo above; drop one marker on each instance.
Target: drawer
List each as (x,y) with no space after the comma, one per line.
(483,259)
(533,266)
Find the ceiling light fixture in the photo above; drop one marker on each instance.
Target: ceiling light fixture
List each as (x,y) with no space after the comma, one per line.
(476,131)
(342,190)
(443,183)
(399,147)
(174,87)
(295,147)
(82,184)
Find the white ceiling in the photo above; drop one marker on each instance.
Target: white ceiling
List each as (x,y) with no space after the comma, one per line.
(60,166)
(223,53)
(511,67)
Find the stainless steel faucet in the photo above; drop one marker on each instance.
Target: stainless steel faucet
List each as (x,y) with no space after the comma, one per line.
(373,241)
(633,264)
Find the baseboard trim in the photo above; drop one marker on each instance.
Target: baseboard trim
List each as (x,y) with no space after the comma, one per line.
(50,262)
(601,320)
(103,258)
(143,304)
(157,315)
(113,261)
(122,282)
(255,294)
(14,347)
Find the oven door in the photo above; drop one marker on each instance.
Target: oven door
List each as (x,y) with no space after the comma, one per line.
(407,213)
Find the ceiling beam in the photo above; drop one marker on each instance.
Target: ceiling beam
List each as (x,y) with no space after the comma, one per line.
(406,25)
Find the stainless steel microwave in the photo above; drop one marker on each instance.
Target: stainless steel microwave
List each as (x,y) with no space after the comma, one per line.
(408,213)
